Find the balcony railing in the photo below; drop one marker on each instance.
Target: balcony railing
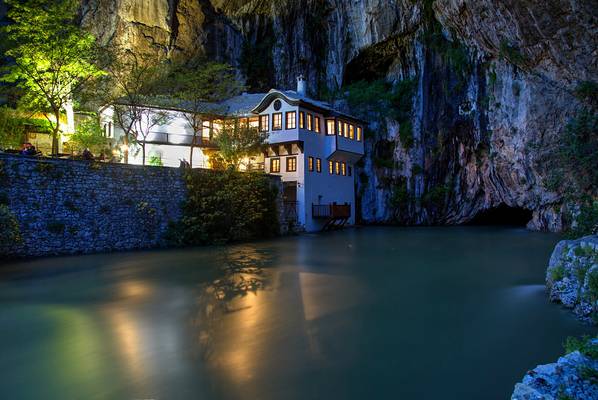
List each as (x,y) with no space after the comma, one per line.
(331,210)
(179,139)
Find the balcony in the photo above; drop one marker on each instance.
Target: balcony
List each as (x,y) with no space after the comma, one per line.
(177,139)
(331,211)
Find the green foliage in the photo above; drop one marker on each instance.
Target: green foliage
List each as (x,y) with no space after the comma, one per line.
(379,99)
(589,374)
(235,143)
(406,134)
(557,273)
(511,53)
(436,196)
(572,167)
(52,56)
(226,206)
(89,135)
(155,160)
(400,195)
(14,124)
(587,91)
(593,285)
(586,222)
(583,345)
(9,229)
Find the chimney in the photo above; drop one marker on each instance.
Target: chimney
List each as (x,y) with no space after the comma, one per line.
(301,86)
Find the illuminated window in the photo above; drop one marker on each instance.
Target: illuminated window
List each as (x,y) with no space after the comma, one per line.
(344,169)
(359,133)
(317,123)
(350,170)
(291,164)
(276,121)
(318,165)
(351,132)
(337,167)
(291,120)
(264,123)
(254,122)
(301,120)
(340,128)
(330,167)
(346,129)
(310,122)
(310,164)
(275,165)
(330,127)
(244,122)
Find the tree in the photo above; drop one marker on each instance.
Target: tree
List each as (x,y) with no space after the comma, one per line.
(197,85)
(148,118)
(89,135)
(52,57)
(12,128)
(237,141)
(130,86)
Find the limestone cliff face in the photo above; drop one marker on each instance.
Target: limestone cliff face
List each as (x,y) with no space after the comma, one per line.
(492,89)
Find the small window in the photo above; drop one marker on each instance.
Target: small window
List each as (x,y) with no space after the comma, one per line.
(349,170)
(277,105)
(351,132)
(310,164)
(340,128)
(275,165)
(291,122)
(344,169)
(264,123)
(276,121)
(346,129)
(301,120)
(310,122)
(359,134)
(291,164)
(337,168)
(318,165)
(330,167)
(316,123)
(330,127)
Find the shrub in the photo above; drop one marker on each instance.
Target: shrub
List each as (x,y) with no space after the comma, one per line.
(557,273)
(586,221)
(226,206)
(9,229)
(593,285)
(583,345)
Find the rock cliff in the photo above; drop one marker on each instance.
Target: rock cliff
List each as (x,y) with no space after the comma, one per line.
(492,85)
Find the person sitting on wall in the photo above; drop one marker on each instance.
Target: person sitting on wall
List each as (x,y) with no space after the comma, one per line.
(87,155)
(28,149)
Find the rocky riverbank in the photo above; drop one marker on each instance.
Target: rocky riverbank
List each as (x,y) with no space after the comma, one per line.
(573,377)
(572,276)
(572,280)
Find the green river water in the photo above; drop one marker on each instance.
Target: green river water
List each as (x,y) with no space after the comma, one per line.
(372,313)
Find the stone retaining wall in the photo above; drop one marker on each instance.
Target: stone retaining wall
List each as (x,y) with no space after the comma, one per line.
(65,206)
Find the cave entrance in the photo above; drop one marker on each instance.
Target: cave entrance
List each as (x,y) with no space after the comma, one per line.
(502,215)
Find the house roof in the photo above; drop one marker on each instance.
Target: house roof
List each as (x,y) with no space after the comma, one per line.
(248,104)
(294,98)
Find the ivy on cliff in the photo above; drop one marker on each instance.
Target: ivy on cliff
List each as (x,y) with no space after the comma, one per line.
(226,206)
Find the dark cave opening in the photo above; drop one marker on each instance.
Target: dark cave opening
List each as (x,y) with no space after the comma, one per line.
(502,215)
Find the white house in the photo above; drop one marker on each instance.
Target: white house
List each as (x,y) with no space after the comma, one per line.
(312,146)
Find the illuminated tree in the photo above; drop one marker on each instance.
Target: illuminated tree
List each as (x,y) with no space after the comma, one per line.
(52,57)
(236,142)
(198,84)
(89,135)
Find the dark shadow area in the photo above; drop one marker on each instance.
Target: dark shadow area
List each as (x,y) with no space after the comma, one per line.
(502,215)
